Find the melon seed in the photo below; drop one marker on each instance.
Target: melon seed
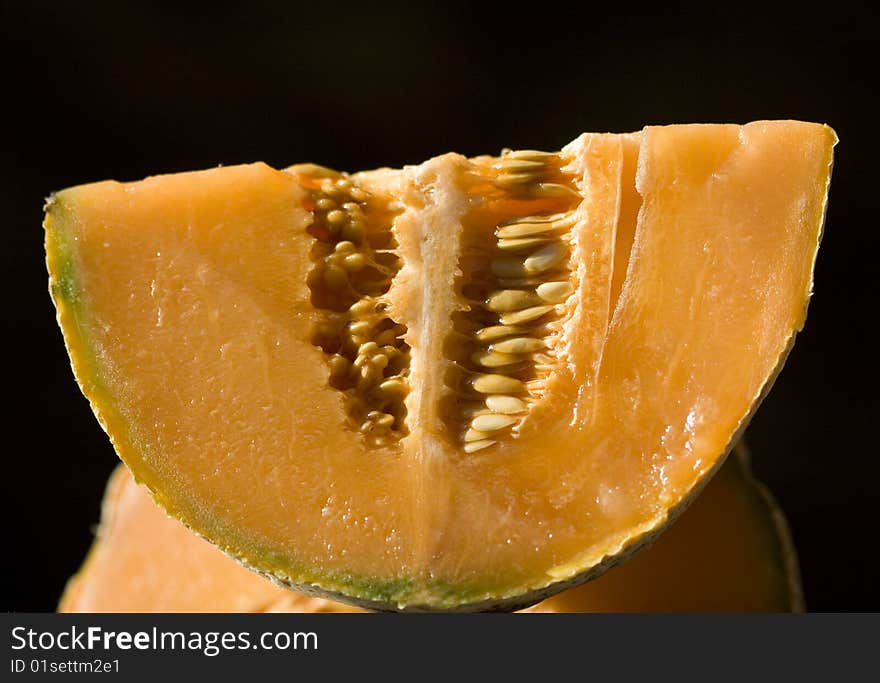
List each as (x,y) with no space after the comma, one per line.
(474,446)
(518,345)
(515,164)
(511,300)
(505,404)
(493,422)
(525,315)
(520,243)
(554,292)
(530,155)
(554,190)
(488,359)
(393,388)
(498,332)
(545,258)
(498,384)
(474,435)
(516,179)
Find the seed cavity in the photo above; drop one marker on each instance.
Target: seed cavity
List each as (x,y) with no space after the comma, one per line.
(518,289)
(354,261)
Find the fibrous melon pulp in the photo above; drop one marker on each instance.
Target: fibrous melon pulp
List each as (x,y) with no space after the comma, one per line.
(462,385)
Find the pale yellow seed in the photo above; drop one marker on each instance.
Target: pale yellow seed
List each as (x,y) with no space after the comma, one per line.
(553,190)
(516,165)
(498,384)
(511,300)
(545,258)
(505,404)
(386,337)
(522,230)
(525,316)
(498,332)
(520,244)
(475,446)
(530,154)
(492,423)
(380,419)
(360,328)
(531,225)
(325,204)
(539,218)
(368,348)
(359,195)
(516,179)
(506,266)
(494,360)
(518,345)
(362,307)
(474,435)
(554,292)
(355,262)
(394,388)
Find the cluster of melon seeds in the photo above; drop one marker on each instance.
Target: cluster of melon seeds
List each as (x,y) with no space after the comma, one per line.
(355,261)
(516,307)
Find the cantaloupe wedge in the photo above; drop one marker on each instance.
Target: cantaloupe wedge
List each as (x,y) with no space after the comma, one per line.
(462,385)
(730,551)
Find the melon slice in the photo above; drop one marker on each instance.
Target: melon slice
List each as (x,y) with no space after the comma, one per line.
(729,552)
(463,385)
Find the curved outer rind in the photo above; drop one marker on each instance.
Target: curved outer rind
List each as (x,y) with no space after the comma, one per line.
(65,296)
(105,580)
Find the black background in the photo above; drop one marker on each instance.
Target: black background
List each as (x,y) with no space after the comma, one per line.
(122,90)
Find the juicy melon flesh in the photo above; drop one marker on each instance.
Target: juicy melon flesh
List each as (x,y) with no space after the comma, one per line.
(301,365)
(729,552)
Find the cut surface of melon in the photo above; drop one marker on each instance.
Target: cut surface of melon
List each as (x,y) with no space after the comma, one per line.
(460,385)
(729,552)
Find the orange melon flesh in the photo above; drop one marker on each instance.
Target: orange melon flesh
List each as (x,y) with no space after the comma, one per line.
(188,317)
(729,552)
